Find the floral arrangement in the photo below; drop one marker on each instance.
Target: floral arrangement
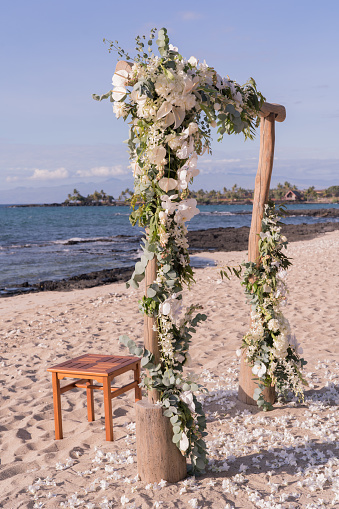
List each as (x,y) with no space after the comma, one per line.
(172,103)
(271,348)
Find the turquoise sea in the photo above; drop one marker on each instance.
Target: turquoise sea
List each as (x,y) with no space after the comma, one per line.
(50,243)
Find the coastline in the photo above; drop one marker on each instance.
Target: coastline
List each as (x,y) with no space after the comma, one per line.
(210,240)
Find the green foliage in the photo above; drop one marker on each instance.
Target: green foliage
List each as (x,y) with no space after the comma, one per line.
(173,103)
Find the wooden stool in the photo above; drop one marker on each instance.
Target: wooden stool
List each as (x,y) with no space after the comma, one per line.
(89,367)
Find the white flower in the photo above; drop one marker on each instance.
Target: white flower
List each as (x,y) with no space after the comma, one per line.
(124,500)
(118,93)
(184,443)
(185,150)
(136,169)
(167,184)
(157,154)
(138,98)
(273,325)
(259,369)
(193,61)
(120,78)
(171,307)
(119,109)
(187,397)
(173,141)
(162,217)
(191,129)
(167,203)
(186,210)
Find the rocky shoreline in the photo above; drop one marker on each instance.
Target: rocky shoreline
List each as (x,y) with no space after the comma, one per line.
(213,239)
(303,212)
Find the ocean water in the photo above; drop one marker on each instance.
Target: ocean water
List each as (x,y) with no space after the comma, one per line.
(51,243)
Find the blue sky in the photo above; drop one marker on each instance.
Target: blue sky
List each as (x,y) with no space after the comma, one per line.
(53,59)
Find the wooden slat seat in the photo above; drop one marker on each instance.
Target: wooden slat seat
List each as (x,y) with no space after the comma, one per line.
(94,367)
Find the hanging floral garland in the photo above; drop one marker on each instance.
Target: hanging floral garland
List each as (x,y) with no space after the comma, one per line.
(172,103)
(271,348)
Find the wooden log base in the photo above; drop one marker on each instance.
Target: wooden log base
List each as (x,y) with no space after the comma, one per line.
(158,457)
(247,386)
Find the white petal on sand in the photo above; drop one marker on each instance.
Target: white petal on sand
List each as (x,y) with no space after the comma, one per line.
(270,448)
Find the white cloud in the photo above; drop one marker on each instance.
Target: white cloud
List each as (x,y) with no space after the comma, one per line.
(190,15)
(12,179)
(104,171)
(59,173)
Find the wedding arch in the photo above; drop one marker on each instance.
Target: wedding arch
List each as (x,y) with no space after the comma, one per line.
(173,103)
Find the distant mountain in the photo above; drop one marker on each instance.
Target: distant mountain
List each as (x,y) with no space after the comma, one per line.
(112,186)
(58,194)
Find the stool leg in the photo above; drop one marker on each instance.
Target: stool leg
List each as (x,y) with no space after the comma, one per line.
(138,395)
(90,402)
(106,382)
(57,406)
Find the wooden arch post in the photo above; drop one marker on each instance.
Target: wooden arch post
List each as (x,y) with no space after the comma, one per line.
(157,456)
(269,113)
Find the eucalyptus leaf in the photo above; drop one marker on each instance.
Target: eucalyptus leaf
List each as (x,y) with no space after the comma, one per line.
(176,438)
(151,293)
(139,268)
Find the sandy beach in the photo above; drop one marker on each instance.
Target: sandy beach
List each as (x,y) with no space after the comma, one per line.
(287,458)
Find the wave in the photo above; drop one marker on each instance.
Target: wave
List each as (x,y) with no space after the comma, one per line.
(74,241)
(217,213)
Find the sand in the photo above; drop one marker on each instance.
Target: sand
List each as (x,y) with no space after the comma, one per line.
(287,458)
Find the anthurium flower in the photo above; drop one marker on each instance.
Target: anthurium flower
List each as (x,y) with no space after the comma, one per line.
(178,114)
(120,78)
(118,93)
(167,184)
(157,154)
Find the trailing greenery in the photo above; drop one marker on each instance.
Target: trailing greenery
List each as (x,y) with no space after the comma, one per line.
(270,347)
